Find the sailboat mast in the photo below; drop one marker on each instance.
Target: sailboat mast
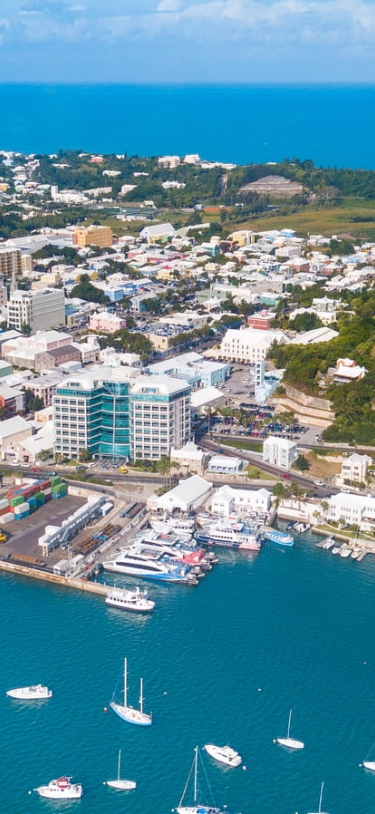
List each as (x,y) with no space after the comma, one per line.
(196,775)
(125,683)
(119,764)
(290,718)
(141,696)
(321,797)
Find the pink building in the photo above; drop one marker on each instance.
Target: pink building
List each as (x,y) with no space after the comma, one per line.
(106,322)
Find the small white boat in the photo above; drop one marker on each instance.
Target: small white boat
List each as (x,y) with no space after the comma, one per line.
(61,789)
(35,692)
(320,802)
(119,784)
(136,600)
(224,754)
(345,551)
(127,713)
(290,743)
(336,549)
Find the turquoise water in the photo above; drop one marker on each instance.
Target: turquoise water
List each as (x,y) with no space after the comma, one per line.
(222,663)
(334,126)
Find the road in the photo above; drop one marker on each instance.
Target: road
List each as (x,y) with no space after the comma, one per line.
(305,483)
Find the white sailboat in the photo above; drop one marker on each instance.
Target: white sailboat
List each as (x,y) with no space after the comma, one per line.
(320,801)
(127,713)
(119,784)
(290,743)
(197,807)
(369,764)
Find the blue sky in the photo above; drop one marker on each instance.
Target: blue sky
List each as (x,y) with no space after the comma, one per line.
(130,41)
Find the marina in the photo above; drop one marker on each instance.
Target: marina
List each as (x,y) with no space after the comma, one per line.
(180,634)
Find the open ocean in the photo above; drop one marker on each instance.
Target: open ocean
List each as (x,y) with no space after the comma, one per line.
(333,126)
(223,662)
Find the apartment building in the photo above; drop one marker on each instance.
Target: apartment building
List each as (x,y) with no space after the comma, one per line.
(279,451)
(103,411)
(10,262)
(93,236)
(39,309)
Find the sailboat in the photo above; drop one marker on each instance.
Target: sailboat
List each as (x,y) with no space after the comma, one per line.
(196,808)
(320,802)
(120,785)
(291,743)
(127,713)
(369,764)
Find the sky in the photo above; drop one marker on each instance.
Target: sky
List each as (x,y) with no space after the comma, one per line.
(187,41)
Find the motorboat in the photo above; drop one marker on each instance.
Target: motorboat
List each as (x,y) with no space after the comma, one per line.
(61,789)
(281,538)
(290,743)
(224,754)
(36,692)
(136,600)
(136,564)
(119,784)
(196,807)
(127,713)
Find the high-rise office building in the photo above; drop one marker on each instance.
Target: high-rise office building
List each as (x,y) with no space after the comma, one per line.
(104,411)
(39,309)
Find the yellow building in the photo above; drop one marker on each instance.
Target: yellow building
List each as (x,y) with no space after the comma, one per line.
(93,236)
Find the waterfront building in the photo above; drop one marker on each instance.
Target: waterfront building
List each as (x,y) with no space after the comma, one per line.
(13,431)
(188,495)
(279,451)
(38,309)
(227,500)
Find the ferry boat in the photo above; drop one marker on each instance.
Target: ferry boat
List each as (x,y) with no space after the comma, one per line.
(61,789)
(137,564)
(36,692)
(281,538)
(172,524)
(136,600)
(190,554)
(246,538)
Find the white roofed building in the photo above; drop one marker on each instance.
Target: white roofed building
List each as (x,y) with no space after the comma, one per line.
(188,495)
(226,500)
(279,451)
(248,344)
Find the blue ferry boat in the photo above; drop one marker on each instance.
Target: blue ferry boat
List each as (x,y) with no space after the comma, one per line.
(281,538)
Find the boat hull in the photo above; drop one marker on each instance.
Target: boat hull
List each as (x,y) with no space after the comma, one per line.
(248,545)
(156,577)
(224,755)
(290,743)
(279,538)
(33,693)
(130,715)
(121,785)
(198,809)
(369,764)
(60,790)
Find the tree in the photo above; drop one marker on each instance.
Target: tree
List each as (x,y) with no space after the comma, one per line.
(26,329)
(84,456)
(301,463)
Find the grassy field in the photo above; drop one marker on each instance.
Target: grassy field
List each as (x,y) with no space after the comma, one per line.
(355,217)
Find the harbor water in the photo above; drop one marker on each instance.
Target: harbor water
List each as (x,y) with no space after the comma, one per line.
(222,663)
